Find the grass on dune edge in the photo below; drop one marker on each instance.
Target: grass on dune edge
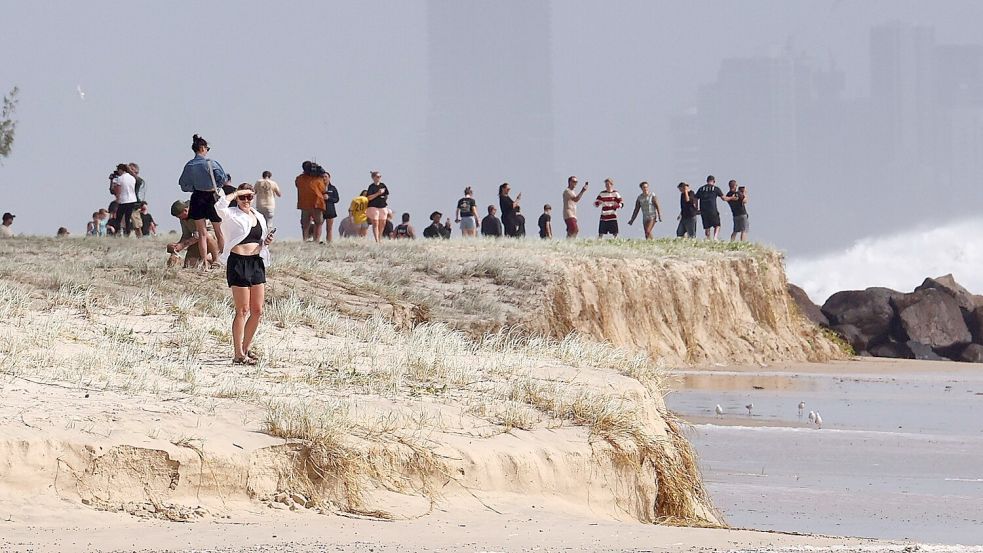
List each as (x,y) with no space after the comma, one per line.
(140,329)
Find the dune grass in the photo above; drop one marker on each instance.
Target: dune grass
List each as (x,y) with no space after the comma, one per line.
(106,315)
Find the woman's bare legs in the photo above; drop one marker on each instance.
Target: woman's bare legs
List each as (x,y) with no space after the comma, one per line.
(257,295)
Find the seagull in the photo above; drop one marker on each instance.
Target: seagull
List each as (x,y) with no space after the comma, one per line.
(749,407)
(812,416)
(719,410)
(819,420)
(802,406)
(78,89)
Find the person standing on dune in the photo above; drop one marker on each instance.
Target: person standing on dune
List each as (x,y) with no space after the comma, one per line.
(570,199)
(688,211)
(203,177)
(737,198)
(708,194)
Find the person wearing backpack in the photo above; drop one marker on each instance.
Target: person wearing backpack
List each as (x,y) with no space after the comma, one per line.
(199,177)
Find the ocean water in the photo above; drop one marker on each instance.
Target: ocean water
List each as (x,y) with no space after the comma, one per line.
(899,456)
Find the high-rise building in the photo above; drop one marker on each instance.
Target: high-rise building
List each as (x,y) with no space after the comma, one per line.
(902,90)
(490,113)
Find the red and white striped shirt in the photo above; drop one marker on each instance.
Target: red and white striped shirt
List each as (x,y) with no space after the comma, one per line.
(609,202)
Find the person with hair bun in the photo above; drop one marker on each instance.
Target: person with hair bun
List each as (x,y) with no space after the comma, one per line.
(203,177)
(245,266)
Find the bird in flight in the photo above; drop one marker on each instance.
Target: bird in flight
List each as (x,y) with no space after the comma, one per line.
(78,88)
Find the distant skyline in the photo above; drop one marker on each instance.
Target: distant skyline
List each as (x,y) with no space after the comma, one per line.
(360,87)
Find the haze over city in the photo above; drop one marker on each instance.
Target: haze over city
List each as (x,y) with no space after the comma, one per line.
(845,119)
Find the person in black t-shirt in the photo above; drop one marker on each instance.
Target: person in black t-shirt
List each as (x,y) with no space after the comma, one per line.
(520,223)
(491,225)
(466,213)
(508,205)
(687,212)
(546,223)
(387,228)
(708,194)
(436,230)
(737,199)
(378,212)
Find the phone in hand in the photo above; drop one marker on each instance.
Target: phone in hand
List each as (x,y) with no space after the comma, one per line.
(270,234)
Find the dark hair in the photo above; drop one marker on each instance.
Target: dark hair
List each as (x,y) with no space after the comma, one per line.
(95,213)
(306,166)
(643,183)
(711,178)
(62,231)
(246,186)
(467,190)
(501,188)
(490,209)
(732,181)
(547,206)
(682,184)
(123,168)
(267,174)
(198,143)
(570,179)
(406,217)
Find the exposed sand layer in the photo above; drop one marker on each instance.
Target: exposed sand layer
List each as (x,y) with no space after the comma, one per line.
(117,396)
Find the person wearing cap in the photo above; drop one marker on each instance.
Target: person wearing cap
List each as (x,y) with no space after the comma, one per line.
(436,230)
(5,230)
(189,238)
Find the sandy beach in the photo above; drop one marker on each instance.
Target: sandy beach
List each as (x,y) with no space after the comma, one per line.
(899,455)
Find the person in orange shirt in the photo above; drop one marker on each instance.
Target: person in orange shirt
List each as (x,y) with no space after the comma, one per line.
(310,200)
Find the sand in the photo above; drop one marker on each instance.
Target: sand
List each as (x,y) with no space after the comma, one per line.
(900,454)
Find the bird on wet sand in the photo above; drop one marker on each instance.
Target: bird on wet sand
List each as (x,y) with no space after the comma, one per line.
(812,416)
(802,406)
(819,420)
(719,410)
(749,407)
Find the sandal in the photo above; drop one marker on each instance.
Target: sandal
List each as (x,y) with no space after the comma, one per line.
(243,361)
(251,355)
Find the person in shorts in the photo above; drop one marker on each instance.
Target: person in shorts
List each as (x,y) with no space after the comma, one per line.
(570,199)
(648,205)
(203,176)
(358,209)
(245,267)
(610,201)
(466,214)
(707,195)
(267,191)
(737,198)
(310,185)
(546,223)
(190,239)
(378,212)
(688,210)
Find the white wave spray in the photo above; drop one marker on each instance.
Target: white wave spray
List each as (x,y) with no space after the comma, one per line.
(900,261)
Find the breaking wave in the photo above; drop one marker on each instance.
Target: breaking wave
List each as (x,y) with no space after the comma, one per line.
(900,261)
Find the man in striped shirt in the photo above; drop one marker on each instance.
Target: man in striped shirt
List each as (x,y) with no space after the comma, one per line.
(610,201)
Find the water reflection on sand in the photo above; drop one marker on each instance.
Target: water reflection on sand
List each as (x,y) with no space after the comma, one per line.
(900,454)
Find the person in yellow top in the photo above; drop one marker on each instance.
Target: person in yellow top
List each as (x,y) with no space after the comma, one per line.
(358,208)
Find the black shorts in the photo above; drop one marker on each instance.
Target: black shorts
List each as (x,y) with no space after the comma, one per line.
(329,211)
(245,270)
(710,219)
(203,207)
(608,227)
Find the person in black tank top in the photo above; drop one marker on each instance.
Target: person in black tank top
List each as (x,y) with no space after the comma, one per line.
(404,230)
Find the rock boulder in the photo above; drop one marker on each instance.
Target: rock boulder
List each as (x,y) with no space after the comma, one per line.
(932,317)
(869,311)
(806,307)
(972,354)
(892,349)
(948,284)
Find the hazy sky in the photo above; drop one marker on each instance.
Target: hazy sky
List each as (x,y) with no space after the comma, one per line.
(271,84)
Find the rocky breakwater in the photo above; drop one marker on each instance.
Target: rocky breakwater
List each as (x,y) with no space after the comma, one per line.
(938,320)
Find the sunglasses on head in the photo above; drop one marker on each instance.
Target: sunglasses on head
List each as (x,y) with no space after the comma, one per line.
(246,197)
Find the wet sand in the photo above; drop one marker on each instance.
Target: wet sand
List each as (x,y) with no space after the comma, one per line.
(900,454)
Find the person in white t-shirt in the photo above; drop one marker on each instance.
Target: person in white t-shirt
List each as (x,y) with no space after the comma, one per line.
(124,186)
